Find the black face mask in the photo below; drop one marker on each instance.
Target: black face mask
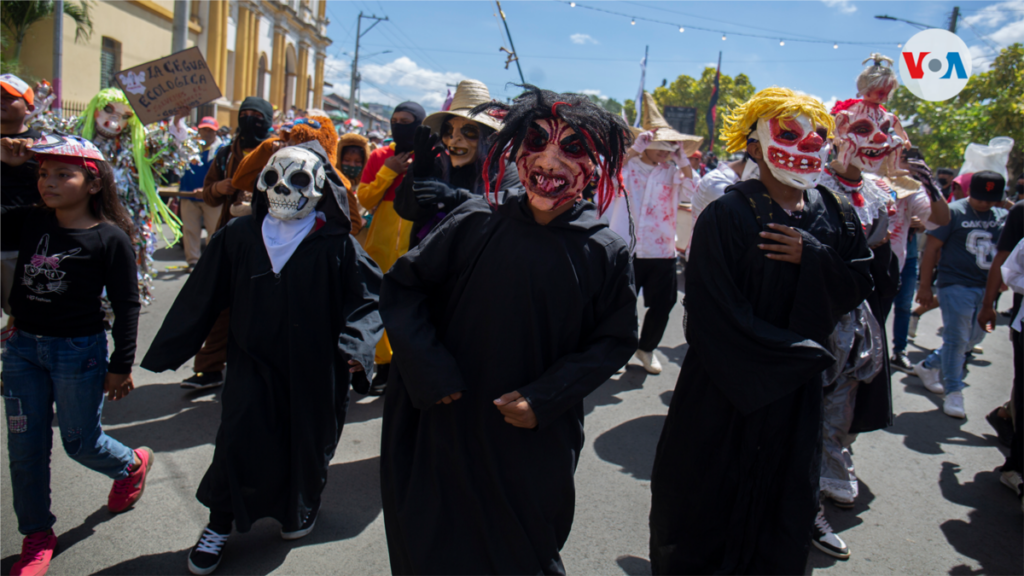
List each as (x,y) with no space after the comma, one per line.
(1020,189)
(403,136)
(352,173)
(252,130)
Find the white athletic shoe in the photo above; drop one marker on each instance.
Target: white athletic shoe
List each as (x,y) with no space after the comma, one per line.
(931,377)
(954,405)
(825,539)
(977,350)
(912,328)
(650,361)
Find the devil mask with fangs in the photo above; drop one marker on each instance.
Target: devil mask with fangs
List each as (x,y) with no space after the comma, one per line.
(559,143)
(865,135)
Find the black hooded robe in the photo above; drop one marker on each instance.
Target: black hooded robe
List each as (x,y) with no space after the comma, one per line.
(489,303)
(735,479)
(291,336)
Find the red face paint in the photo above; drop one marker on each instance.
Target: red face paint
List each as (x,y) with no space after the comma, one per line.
(796,149)
(553,164)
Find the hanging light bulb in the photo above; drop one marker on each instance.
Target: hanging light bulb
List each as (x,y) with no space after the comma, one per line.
(782,42)
(723,36)
(835,46)
(899,45)
(572,4)
(681,29)
(633,22)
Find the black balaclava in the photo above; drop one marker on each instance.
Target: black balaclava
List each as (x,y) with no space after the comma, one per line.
(403,133)
(253,129)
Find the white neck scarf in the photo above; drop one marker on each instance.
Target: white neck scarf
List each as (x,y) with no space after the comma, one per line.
(282,237)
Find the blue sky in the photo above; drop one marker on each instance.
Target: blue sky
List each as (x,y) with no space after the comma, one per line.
(577,49)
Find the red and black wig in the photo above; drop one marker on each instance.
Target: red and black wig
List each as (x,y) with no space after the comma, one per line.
(605,136)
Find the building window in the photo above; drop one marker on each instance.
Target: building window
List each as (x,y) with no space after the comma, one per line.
(261,75)
(110,62)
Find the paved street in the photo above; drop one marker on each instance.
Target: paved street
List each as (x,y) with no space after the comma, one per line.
(930,499)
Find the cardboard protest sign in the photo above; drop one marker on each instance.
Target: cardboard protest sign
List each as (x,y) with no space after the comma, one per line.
(157,89)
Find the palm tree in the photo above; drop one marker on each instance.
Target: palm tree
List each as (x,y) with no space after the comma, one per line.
(18,17)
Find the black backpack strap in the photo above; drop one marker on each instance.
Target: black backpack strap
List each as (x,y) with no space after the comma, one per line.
(760,202)
(842,204)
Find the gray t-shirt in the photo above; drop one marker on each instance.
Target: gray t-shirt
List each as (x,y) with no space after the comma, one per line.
(969,244)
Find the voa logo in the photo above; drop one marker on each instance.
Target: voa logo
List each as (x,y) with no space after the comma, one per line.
(935,65)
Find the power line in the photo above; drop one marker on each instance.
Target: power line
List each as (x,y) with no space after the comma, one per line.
(724,33)
(722,21)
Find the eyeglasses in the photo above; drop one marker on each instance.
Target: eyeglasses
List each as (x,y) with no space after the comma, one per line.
(468,131)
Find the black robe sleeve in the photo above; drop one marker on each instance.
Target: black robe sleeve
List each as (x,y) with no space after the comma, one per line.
(605,349)
(755,361)
(363,328)
(427,368)
(205,294)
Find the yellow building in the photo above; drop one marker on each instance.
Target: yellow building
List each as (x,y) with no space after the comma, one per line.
(269,48)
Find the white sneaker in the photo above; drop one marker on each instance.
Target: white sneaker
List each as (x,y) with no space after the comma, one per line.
(977,350)
(825,539)
(912,328)
(1012,480)
(931,377)
(954,405)
(650,361)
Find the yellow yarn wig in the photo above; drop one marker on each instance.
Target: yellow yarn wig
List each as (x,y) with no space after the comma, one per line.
(772,102)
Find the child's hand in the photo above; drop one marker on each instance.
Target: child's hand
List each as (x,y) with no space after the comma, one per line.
(517,410)
(118,386)
(355,366)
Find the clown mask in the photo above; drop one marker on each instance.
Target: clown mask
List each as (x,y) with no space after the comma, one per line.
(553,164)
(293,181)
(461,137)
(112,119)
(865,137)
(794,149)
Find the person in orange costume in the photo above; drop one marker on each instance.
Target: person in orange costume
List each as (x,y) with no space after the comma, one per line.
(388,237)
(319,128)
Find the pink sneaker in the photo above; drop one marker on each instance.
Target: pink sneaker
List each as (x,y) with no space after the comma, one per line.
(36,551)
(127,491)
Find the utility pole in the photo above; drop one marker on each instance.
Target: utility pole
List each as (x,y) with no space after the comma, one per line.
(510,43)
(353,105)
(58,53)
(179,33)
(953,18)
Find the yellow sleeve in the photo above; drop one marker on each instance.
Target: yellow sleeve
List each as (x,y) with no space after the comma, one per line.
(370,194)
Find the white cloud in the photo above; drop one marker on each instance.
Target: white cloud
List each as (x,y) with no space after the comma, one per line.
(1000,24)
(995,14)
(582,39)
(828,103)
(1013,32)
(401,79)
(592,92)
(844,6)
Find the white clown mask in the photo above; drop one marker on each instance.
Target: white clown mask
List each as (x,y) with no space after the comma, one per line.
(794,149)
(112,119)
(865,137)
(293,181)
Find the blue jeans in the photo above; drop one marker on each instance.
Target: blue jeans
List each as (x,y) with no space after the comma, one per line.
(903,305)
(960,333)
(39,371)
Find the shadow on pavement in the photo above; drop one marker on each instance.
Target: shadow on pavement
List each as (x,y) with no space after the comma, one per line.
(633,565)
(164,417)
(675,355)
(363,412)
(992,536)
(841,520)
(632,445)
(351,502)
(926,432)
(607,393)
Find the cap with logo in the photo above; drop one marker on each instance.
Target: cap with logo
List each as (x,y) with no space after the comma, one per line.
(987,186)
(209,122)
(17,87)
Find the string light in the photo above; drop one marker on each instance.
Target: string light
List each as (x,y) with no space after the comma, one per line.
(782,42)
(899,45)
(572,4)
(633,22)
(835,46)
(723,37)
(681,29)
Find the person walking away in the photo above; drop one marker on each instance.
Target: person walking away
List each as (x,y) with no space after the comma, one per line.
(71,250)
(968,246)
(389,233)
(195,213)
(18,185)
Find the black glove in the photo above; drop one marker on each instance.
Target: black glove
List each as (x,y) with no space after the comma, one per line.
(431,192)
(921,172)
(426,151)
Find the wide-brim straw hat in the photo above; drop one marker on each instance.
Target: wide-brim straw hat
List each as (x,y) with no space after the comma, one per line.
(468,95)
(651,119)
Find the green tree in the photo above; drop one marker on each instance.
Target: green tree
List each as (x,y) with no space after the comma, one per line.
(610,104)
(687,91)
(990,105)
(18,17)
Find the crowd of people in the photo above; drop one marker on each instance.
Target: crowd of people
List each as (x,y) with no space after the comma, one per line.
(480,268)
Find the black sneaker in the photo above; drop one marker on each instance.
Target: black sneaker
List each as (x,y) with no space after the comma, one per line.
(380,380)
(203,380)
(900,362)
(825,539)
(206,554)
(306,528)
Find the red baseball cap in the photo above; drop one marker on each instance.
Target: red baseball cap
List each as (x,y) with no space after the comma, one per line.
(209,122)
(17,87)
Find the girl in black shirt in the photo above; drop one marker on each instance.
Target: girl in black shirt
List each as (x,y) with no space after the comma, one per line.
(71,248)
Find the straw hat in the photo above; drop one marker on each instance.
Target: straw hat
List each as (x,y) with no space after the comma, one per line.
(651,119)
(468,95)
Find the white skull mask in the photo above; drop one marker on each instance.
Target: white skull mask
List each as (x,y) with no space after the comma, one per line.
(794,149)
(293,181)
(865,136)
